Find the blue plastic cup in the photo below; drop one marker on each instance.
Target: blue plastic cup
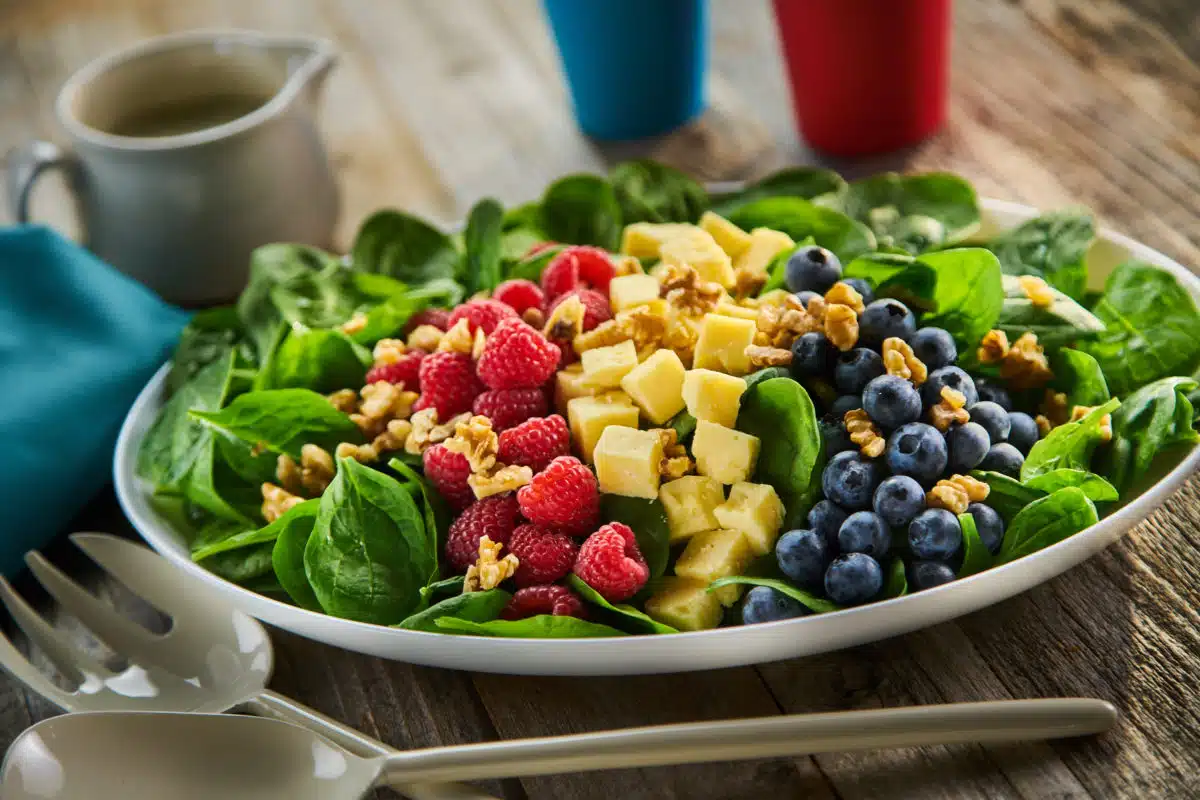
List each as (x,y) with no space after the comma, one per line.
(635,68)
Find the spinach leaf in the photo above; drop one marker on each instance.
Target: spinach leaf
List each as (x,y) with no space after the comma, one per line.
(1095,487)
(530,267)
(1052,247)
(915,212)
(765,374)
(482,239)
(1077,375)
(1006,495)
(210,545)
(648,519)
(684,425)
(1062,322)
(403,247)
(208,336)
(472,607)
(976,556)
(448,586)
(240,566)
(287,556)
(526,215)
(582,209)
(1069,446)
(651,192)
(896,275)
(516,244)
(433,508)
(1149,421)
(211,485)
(791,455)
(1046,521)
(320,359)
(283,420)
(272,266)
(800,219)
(249,465)
(896,582)
(968,295)
(621,615)
(818,605)
(807,183)
(543,626)
(369,555)
(1152,328)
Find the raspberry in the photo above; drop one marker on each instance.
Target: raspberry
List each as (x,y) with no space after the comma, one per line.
(448,472)
(494,517)
(534,600)
(448,383)
(609,561)
(516,357)
(437,317)
(563,495)
(485,314)
(520,294)
(405,371)
(535,442)
(546,555)
(595,307)
(577,267)
(509,407)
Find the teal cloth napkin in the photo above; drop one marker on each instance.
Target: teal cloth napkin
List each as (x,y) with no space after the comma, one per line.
(78,340)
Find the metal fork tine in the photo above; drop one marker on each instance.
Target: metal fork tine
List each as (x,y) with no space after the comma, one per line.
(145,572)
(20,667)
(68,657)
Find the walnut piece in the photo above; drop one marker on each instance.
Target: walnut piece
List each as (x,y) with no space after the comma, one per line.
(748,281)
(381,403)
(505,479)
(768,356)
(993,347)
(426,432)
(780,324)
(316,469)
(683,289)
(900,360)
(475,439)
(675,462)
(425,337)
(951,409)
(1044,425)
(458,339)
(841,326)
(566,320)
(1054,407)
(627,265)
(605,334)
(864,433)
(1025,365)
(277,501)
(1106,429)
(842,293)
(957,492)
(344,400)
(287,472)
(392,439)
(388,351)
(356,323)
(489,571)
(1037,290)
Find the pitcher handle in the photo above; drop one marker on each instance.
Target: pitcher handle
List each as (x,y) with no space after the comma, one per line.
(24,164)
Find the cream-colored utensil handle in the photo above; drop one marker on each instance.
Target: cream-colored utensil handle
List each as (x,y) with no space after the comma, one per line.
(770,737)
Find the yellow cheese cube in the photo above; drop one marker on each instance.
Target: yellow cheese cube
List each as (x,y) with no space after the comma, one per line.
(603,367)
(627,291)
(722,344)
(728,308)
(568,384)
(589,416)
(685,605)
(713,396)
(689,502)
(765,244)
(627,461)
(700,251)
(645,239)
(732,239)
(727,455)
(716,554)
(755,510)
(656,385)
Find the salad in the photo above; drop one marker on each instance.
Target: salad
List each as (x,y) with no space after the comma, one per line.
(635,407)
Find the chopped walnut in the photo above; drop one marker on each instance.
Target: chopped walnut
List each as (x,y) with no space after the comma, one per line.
(645,326)
(381,403)
(1037,290)
(426,431)
(475,439)
(392,439)
(478,344)
(316,469)
(842,293)
(458,339)
(388,351)
(841,326)
(277,501)
(1044,425)
(675,461)
(344,400)
(683,289)
(605,334)
(533,317)
(1054,407)
(768,356)
(779,325)
(425,337)
(287,472)
(748,281)
(627,265)
(356,323)
(816,309)
(864,433)
(566,320)
(489,571)
(950,410)
(775,297)
(1025,365)
(1106,429)
(956,493)
(362,453)
(993,347)
(506,479)
(900,360)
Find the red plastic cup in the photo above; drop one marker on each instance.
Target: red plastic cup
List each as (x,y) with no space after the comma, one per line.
(867,76)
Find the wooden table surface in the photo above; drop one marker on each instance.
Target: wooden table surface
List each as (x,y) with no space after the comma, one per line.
(439,102)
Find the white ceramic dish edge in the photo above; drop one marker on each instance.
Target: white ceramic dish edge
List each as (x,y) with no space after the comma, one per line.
(725,647)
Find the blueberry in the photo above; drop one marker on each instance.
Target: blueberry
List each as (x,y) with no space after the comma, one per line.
(993,393)
(853,579)
(1003,458)
(865,532)
(855,369)
(764,604)
(935,347)
(891,401)
(847,402)
(805,296)
(928,574)
(935,535)
(834,434)
(803,556)
(826,518)
(968,445)
(812,355)
(1023,431)
(955,378)
(993,418)
(917,450)
(883,319)
(849,480)
(898,499)
(813,268)
(990,525)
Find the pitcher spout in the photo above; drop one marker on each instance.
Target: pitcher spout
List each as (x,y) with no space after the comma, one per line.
(307,62)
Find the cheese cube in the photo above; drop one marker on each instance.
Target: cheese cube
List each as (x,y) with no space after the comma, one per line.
(656,385)
(569,384)
(589,416)
(716,554)
(685,605)
(627,291)
(755,510)
(713,396)
(728,308)
(722,344)
(727,455)
(603,367)
(765,244)
(627,462)
(732,239)
(689,502)
(698,250)
(645,239)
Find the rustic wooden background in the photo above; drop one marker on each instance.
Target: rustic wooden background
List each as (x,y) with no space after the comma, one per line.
(438,102)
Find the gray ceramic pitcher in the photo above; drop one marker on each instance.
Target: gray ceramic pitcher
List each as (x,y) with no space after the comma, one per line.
(189,151)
